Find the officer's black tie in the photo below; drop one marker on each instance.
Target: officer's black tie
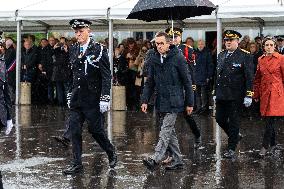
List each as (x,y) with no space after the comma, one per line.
(229,54)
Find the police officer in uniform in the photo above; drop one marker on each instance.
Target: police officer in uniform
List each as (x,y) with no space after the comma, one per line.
(233,88)
(90,93)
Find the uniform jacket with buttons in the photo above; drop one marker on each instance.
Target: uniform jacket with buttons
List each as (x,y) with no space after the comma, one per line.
(91,75)
(269,84)
(234,75)
(170,80)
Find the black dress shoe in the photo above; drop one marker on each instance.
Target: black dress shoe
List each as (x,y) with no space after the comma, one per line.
(62,140)
(74,168)
(150,164)
(230,154)
(112,160)
(175,166)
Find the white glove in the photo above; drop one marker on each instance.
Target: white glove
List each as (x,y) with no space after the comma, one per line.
(247,101)
(9,127)
(214,98)
(104,106)
(68,99)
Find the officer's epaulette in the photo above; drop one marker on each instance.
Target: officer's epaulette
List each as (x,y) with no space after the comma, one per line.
(245,51)
(223,50)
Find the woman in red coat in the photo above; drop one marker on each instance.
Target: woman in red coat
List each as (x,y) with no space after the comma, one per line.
(269,90)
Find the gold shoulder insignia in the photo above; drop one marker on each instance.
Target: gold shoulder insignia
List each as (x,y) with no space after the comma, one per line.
(245,51)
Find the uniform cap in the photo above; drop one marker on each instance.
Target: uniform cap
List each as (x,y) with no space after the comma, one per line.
(232,34)
(174,31)
(79,23)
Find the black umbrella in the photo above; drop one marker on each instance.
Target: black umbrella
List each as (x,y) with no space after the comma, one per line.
(152,10)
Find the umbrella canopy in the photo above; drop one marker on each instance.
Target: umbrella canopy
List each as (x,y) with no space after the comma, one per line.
(149,10)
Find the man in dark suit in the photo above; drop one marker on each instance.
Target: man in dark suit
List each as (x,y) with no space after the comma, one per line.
(188,52)
(168,77)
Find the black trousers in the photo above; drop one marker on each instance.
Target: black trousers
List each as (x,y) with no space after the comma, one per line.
(202,97)
(228,118)
(192,124)
(67,132)
(269,133)
(95,127)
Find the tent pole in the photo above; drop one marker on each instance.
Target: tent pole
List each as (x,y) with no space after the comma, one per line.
(219,35)
(219,43)
(218,135)
(110,54)
(18,62)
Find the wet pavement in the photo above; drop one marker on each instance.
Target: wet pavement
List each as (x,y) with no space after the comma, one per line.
(31,158)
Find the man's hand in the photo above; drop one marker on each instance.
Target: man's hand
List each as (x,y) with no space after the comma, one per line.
(104,106)
(40,67)
(247,101)
(189,110)
(144,108)
(56,46)
(104,103)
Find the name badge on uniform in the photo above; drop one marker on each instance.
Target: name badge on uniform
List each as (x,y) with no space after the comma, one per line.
(235,65)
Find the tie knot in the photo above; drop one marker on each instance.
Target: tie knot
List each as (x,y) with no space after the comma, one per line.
(229,54)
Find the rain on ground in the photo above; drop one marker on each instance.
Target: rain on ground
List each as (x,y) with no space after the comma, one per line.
(31,158)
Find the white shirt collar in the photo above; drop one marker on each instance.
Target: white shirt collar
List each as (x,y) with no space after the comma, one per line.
(85,46)
(162,56)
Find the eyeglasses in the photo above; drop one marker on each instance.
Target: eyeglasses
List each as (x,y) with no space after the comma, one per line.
(271,45)
(162,43)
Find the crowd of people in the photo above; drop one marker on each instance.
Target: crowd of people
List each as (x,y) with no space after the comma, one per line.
(46,66)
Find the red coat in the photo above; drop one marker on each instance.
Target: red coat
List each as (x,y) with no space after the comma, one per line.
(269,84)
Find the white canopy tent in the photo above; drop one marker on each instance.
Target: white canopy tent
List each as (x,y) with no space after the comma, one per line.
(47,15)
